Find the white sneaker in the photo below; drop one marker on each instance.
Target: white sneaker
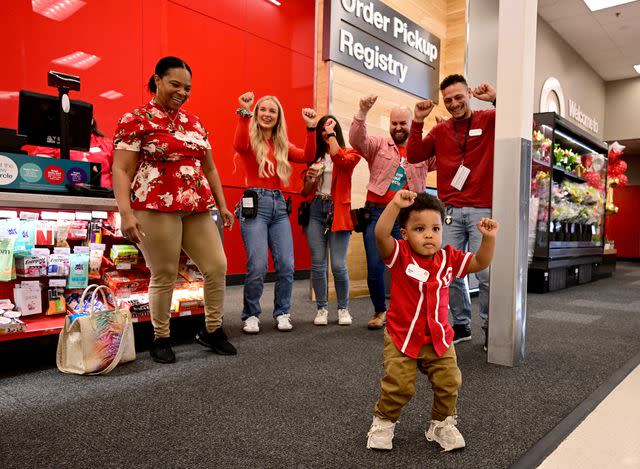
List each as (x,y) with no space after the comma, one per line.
(321,317)
(251,325)
(284,323)
(344,318)
(380,434)
(445,433)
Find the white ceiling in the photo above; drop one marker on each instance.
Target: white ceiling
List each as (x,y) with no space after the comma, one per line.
(608,40)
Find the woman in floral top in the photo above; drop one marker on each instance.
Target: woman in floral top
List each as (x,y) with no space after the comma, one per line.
(261,141)
(165,182)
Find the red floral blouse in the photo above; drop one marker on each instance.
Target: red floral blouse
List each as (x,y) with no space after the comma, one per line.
(169,174)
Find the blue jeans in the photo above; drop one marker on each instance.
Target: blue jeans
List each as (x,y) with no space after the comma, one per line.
(375,265)
(462,234)
(270,229)
(337,242)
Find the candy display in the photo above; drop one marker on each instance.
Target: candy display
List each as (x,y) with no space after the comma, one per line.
(124,253)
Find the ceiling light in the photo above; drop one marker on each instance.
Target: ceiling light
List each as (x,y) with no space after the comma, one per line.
(637,67)
(80,60)
(58,10)
(276,2)
(595,5)
(111,94)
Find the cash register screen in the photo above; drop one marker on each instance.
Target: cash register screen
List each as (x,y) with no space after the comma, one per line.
(39,120)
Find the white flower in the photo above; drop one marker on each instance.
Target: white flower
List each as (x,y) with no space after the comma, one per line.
(128,117)
(150,148)
(191,137)
(188,197)
(156,113)
(183,118)
(188,170)
(167,198)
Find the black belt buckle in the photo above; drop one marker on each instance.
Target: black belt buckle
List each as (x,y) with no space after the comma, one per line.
(448,215)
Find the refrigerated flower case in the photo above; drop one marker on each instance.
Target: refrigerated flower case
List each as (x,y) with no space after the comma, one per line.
(567,206)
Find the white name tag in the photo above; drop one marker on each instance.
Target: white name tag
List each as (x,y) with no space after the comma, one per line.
(475,132)
(416,272)
(247,202)
(461,177)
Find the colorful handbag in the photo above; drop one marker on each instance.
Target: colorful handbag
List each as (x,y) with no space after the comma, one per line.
(94,342)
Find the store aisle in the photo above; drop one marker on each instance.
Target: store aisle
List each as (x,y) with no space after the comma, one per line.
(305,398)
(608,437)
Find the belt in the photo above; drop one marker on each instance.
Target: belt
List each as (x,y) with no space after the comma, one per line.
(322,197)
(374,205)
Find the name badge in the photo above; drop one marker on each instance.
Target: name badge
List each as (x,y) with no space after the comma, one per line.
(416,272)
(475,132)
(461,177)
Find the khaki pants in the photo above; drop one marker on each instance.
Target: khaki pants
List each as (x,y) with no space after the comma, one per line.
(398,384)
(168,233)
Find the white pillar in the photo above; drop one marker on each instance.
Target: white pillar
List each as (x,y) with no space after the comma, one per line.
(511,180)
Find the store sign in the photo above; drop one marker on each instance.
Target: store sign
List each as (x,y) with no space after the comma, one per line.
(370,37)
(577,115)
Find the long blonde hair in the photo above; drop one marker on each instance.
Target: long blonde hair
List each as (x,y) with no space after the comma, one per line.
(280,144)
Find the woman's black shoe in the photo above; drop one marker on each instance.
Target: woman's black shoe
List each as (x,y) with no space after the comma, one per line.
(161,350)
(216,341)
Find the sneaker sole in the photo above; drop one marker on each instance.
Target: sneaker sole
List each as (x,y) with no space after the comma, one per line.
(462,339)
(320,323)
(284,330)
(214,349)
(344,323)
(251,332)
(444,448)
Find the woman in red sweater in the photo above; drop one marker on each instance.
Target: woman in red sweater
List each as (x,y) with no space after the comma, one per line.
(261,141)
(328,179)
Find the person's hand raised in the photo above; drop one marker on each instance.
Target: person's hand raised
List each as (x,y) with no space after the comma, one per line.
(484,92)
(367,103)
(404,198)
(488,227)
(246,100)
(422,109)
(329,125)
(309,115)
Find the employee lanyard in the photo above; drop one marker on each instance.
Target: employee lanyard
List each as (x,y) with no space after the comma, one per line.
(463,148)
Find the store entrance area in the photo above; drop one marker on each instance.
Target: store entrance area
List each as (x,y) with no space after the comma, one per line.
(305,398)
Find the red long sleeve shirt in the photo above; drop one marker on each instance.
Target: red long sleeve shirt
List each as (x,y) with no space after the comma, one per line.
(242,145)
(441,142)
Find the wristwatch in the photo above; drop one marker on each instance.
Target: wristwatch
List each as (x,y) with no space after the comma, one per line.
(331,134)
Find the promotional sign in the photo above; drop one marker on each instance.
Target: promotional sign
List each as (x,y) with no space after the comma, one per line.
(37,174)
(372,38)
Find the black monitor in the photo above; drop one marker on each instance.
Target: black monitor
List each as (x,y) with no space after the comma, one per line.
(39,120)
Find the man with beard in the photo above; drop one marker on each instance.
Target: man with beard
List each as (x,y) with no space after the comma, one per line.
(389,173)
(463,149)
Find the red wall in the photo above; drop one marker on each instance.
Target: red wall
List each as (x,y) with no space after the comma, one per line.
(231,45)
(624,226)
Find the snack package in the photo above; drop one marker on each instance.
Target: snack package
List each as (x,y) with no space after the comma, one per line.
(7,267)
(62,232)
(57,303)
(124,253)
(78,270)
(26,235)
(95,260)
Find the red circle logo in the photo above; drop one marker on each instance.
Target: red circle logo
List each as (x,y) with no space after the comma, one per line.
(54,174)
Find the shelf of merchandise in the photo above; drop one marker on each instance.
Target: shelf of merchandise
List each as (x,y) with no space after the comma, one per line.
(41,325)
(563,173)
(58,202)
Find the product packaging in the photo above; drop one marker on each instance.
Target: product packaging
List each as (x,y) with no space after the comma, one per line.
(124,253)
(45,233)
(77,230)
(62,232)
(28,298)
(7,267)
(78,270)
(57,303)
(95,260)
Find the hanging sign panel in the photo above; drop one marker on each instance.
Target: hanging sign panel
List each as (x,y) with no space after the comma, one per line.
(372,38)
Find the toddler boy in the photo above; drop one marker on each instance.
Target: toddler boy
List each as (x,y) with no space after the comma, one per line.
(418,335)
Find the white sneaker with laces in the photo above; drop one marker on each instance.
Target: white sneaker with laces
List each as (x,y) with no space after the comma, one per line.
(344,318)
(321,317)
(251,325)
(380,434)
(445,433)
(284,323)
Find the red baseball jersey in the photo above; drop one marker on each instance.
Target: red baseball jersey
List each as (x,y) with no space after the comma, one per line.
(419,309)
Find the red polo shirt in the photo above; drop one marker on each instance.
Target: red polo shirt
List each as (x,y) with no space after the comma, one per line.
(441,141)
(418,313)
